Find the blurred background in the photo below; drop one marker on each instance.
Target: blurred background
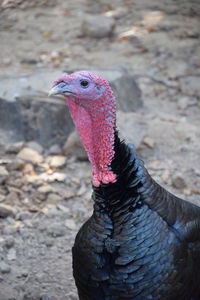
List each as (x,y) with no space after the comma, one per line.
(150,53)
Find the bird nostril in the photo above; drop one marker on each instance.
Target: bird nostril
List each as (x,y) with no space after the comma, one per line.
(61,84)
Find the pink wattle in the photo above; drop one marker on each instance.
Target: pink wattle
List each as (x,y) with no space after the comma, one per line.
(95,123)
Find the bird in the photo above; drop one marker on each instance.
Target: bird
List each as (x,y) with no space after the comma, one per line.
(141,242)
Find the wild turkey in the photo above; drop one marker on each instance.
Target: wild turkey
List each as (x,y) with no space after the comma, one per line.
(141,242)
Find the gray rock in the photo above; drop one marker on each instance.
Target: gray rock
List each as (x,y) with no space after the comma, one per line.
(183,103)
(45,297)
(3,190)
(74,146)
(10,230)
(4,268)
(26,112)
(128,94)
(24,232)
(54,149)
(12,197)
(11,125)
(11,255)
(168,24)
(21,294)
(45,189)
(35,146)
(56,230)
(82,190)
(28,169)
(15,87)
(14,148)
(57,176)
(51,210)
(70,224)
(53,198)
(178,181)
(118,13)
(97,26)
(3,179)
(189,85)
(2,197)
(23,215)
(57,161)
(15,183)
(66,193)
(9,242)
(131,128)
(40,276)
(3,171)
(3,174)
(176,68)
(149,142)
(16,165)
(24,272)
(41,196)
(72,296)
(30,155)
(6,211)
(49,242)
(63,208)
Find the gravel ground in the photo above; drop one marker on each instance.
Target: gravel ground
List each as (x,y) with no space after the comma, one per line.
(45,192)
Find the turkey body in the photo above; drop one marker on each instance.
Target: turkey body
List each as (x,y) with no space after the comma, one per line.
(141,242)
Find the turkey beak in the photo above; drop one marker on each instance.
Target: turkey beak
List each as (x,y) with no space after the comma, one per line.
(61,88)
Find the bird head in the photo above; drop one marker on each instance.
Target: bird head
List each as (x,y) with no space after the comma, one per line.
(82,86)
(92,106)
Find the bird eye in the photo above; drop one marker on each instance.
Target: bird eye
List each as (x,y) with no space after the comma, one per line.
(84,83)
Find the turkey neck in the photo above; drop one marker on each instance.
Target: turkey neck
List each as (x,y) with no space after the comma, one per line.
(123,195)
(96,125)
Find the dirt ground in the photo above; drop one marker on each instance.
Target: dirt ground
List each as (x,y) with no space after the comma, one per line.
(45,194)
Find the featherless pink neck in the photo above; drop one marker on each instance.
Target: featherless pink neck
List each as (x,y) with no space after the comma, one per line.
(95,123)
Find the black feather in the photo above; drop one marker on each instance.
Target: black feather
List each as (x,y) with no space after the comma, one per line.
(141,242)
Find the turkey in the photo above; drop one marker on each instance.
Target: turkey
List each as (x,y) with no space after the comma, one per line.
(141,242)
